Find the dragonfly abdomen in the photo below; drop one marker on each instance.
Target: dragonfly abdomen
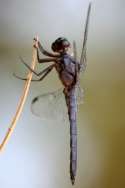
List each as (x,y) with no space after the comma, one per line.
(72,111)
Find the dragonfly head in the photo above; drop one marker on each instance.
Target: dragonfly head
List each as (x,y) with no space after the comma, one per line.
(60,45)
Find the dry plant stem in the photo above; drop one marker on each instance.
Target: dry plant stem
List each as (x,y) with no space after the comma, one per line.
(21,102)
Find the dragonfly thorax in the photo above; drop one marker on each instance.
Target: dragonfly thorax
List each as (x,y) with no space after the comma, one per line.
(66,69)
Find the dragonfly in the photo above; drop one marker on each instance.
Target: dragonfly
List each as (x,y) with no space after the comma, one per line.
(69,70)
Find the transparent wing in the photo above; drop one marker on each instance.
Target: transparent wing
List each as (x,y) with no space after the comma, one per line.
(79,94)
(50,106)
(79,90)
(83,59)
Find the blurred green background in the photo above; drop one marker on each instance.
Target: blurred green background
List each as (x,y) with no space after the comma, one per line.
(37,154)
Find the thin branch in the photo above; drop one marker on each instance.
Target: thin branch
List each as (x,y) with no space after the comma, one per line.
(21,102)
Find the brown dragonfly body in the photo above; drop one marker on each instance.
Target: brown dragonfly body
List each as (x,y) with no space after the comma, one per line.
(68,69)
(68,72)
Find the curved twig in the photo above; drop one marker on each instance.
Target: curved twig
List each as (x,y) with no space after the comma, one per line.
(21,102)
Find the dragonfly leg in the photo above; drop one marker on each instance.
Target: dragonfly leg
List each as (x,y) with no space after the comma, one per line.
(43,73)
(37,74)
(46,73)
(45,60)
(45,52)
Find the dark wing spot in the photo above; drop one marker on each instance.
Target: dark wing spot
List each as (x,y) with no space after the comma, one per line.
(34,100)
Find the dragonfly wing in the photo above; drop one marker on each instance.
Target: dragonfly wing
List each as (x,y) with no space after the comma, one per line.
(83,59)
(74,50)
(79,92)
(50,106)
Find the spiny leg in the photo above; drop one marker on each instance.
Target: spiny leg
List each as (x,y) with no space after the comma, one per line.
(45,60)
(43,51)
(44,72)
(37,74)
